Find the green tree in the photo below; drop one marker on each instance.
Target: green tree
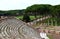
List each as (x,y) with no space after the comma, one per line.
(42,9)
(56,11)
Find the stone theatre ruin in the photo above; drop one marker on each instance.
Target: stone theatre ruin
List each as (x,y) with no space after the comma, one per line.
(12,28)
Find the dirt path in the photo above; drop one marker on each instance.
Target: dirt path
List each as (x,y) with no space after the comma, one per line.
(55,36)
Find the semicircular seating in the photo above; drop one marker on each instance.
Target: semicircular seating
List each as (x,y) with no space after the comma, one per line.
(17,29)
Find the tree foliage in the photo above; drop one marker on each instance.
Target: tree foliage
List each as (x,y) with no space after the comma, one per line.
(26,18)
(12,12)
(40,9)
(44,9)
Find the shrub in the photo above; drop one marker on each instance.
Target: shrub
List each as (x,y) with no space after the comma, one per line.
(26,18)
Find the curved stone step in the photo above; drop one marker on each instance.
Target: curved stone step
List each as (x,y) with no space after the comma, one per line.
(8,31)
(5,31)
(2,30)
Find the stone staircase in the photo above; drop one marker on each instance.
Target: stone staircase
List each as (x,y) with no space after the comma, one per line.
(12,28)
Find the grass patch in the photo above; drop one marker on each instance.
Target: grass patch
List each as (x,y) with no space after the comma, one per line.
(32,17)
(19,17)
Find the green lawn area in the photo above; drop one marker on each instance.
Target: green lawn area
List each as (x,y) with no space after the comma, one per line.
(32,17)
(21,17)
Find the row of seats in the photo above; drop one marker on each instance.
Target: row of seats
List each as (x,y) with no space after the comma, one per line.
(16,29)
